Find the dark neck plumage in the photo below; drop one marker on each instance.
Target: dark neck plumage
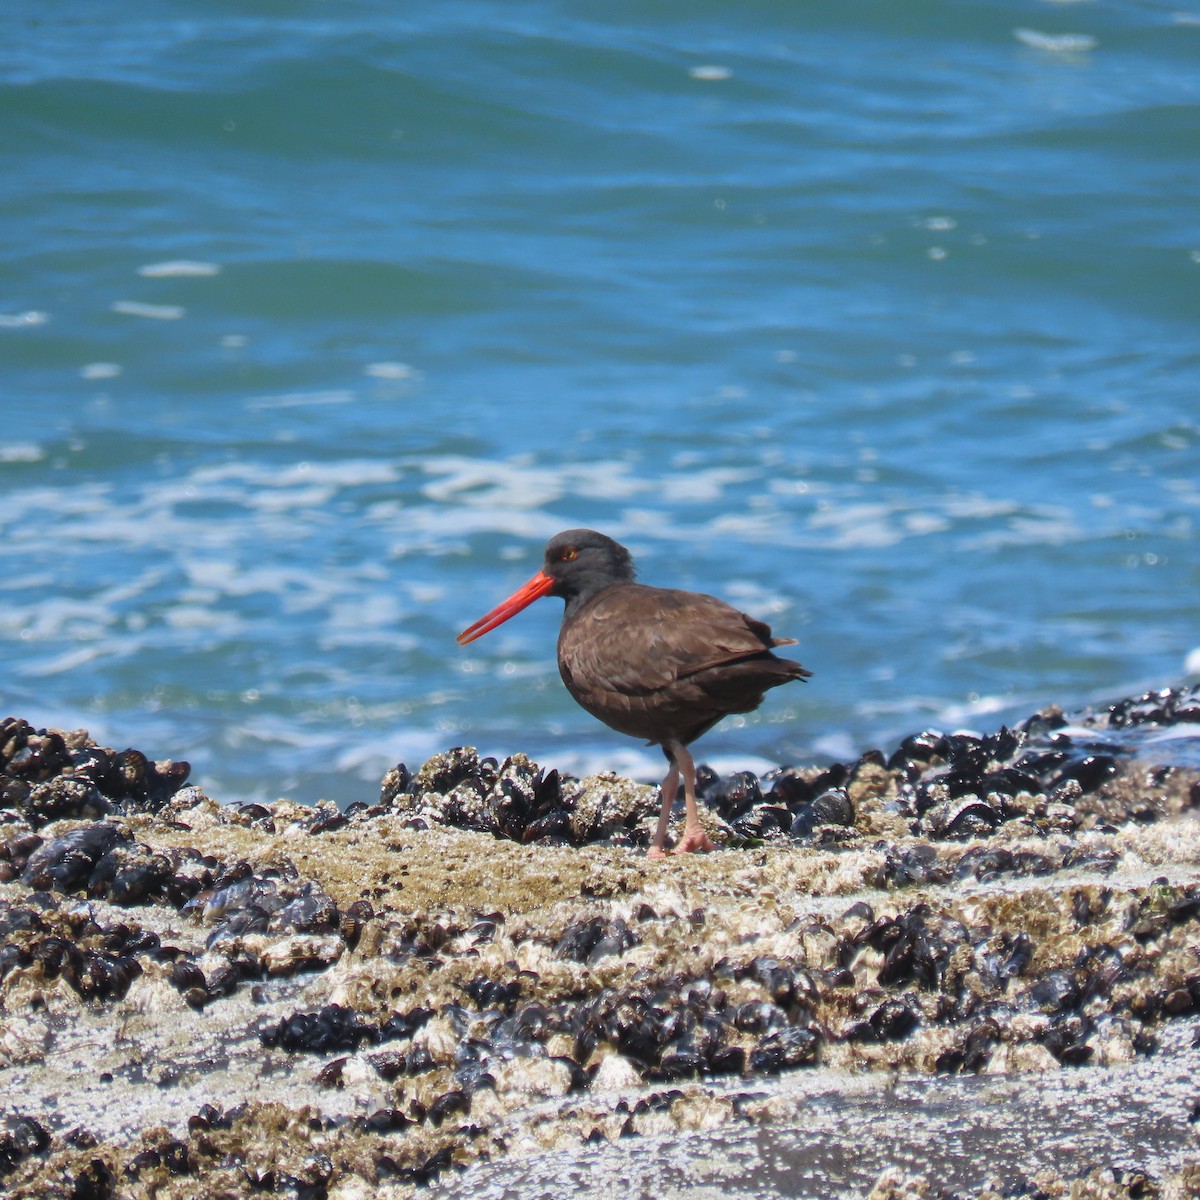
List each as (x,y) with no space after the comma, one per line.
(588,587)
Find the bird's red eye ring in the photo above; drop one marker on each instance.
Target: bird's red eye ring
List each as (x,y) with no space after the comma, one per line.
(569,553)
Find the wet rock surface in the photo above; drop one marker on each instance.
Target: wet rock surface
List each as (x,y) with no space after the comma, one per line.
(283,1000)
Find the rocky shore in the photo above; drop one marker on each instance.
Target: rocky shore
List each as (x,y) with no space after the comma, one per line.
(969,966)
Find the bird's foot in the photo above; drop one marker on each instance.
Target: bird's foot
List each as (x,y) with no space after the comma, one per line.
(656,852)
(694,839)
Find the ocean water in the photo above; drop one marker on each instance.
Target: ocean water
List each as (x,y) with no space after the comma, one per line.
(881,321)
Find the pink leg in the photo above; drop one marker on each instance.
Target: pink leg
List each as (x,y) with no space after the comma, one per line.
(694,837)
(670,786)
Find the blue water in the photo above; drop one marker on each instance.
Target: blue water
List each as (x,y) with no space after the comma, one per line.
(881,321)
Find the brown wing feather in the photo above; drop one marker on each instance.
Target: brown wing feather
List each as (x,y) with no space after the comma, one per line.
(660,664)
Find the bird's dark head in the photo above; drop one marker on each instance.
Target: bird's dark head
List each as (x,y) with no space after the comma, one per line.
(579,562)
(582,561)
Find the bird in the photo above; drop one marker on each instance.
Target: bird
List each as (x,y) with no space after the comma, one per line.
(654,663)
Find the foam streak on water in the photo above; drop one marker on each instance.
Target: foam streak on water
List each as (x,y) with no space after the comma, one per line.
(315,328)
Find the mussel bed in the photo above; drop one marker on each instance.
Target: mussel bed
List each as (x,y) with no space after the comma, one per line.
(303,1001)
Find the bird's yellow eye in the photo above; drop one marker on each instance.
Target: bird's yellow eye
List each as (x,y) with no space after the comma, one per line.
(569,553)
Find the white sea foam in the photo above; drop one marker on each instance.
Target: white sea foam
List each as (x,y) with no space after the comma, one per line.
(100,370)
(152,312)
(25,320)
(302,399)
(1056,43)
(389,370)
(69,660)
(178,268)
(21,452)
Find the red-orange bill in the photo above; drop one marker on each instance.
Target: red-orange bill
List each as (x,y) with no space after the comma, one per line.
(535,589)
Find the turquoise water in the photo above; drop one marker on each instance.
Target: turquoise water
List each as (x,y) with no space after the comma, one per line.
(316,321)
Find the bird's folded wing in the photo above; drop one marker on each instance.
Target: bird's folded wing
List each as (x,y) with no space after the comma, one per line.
(662,636)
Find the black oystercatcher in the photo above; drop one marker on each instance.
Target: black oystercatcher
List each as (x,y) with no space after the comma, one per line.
(654,663)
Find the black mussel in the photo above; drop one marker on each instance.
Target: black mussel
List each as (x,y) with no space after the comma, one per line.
(448,1104)
(333,1027)
(893,1019)
(764,821)
(734,795)
(831,807)
(65,863)
(1089,772)
(784,1050)
(787,786)
(21,1138)
(968,817)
